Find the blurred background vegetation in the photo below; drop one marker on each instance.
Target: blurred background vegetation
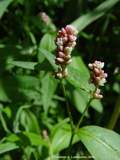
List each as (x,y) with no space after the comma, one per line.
(31,100)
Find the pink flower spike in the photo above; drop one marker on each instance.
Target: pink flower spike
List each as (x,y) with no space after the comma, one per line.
(98,77)
(65,41)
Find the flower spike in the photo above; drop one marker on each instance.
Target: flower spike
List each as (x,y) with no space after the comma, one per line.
(65,41)
(98,77)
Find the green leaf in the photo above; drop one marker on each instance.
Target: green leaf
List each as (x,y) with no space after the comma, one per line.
(78,79)
(3,6)
(2,119)
(78,64)
(17,118)
(97,105)
(28,50)
(23,64)
(49,56)
(85,20)
(100,142)
(58,125)
(79,74)
(80,100)
(12,138)
(21,86)
(47,42)
(35,139)
(7,110)
(28,82)
(48,88)
(6,147)
(29,121)
(116,87)
(61,138)
(3,94)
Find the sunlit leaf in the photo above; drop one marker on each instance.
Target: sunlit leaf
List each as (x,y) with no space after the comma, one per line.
(100,142)
(35,139)
(80,100)
(6,147)
(29,121)
(78,79)
(83,21)
(3,95)
(49,56)
(3,6)
(97,105)
(47,42)
(61,138)
(25,65)
(48,88)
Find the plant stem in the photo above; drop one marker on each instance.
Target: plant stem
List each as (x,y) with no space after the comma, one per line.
(67,105)
(83,114)
(79,123)
(71,119)
(115,115)
(70,144)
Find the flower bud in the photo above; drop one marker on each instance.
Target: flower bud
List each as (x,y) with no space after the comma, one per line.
(59,60)
(72,38)
(59,75)
(68,50)
(45,18)
(71,30)
(98,94)
(61,54)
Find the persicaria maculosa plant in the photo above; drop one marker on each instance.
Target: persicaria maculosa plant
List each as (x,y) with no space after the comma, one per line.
(71,114)
(66,41)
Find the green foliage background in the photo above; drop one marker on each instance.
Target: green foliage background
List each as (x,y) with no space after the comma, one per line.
(31,99)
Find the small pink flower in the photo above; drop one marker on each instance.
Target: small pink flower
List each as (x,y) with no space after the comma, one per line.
(61,55)
(59,60)
(71,30)
(98,94)
(72,38)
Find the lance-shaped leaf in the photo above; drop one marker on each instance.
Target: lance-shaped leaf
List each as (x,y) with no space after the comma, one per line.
(3,6)
(85,20)
(6,147)
(100,142)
